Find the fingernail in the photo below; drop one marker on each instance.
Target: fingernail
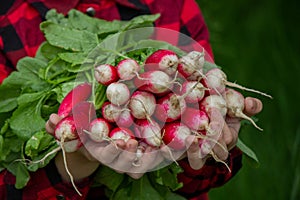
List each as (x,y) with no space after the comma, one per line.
(254,105)
(250,104)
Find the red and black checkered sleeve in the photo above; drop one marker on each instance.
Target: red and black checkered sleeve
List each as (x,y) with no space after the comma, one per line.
(212,174)
(5,67)
(19,34)
(45,183)
(192,24)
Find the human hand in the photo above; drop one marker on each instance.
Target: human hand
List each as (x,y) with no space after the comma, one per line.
(226,138)
(118,154)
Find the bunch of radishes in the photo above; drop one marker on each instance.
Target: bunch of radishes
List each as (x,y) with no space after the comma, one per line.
(158,103)
(164,100)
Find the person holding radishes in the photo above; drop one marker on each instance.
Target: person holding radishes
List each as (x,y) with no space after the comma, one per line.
(20,36)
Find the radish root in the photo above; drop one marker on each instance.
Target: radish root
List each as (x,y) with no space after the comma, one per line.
(230,84)
(219,160)
(204,137)
(66,165)
(242,115)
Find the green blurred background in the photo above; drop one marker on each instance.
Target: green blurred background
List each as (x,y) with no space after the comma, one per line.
(257,44)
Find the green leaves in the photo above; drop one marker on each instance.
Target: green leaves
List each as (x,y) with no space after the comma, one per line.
(158,184)
(9,96)
(68,39)
(39,142)
(248,152)
(26,120)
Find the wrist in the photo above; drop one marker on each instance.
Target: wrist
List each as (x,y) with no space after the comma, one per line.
(78,165)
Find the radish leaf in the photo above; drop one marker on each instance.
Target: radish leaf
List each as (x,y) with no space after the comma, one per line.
(248,152)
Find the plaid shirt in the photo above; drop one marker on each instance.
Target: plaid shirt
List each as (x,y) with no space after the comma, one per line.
(46,183)
(20,36)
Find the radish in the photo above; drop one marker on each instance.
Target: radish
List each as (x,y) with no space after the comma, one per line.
(70,129)
(156,81)
(195,119)
(142,104)
(216,81)
(214,101)
(164,60)
(195,91)
(83,113)
(106,74)
(175,134)
(99,130)
(170,107)
(125,118)
(67,137)
(66,131)
(118,93)
(121,133)
(110,112)
(191,64)
(80,93)
(235,104)
(149,132)
(127,69)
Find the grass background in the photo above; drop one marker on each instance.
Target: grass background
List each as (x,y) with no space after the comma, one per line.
(257,44)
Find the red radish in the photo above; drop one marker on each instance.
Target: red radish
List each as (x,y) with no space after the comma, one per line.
(117,93)
(80,93)
(216,81)
(127,69)
(170,107)
(156,82)
(99,130)
(66,131)
(106,74)
(214,101)
(175,134)
(195,119)
(195,91)
(191,63)
(125,118)
(121,133)
(83,113)
(149,132)
(67,137)
(164,60)
(235,104)
(110,112)
(142,104)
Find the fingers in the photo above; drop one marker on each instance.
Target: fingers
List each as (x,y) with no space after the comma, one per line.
(224,133)
(233,125)
(193,153)
(126,157)
(149,160)
(220,134)
(51,123)
(105,153)
(252,106)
